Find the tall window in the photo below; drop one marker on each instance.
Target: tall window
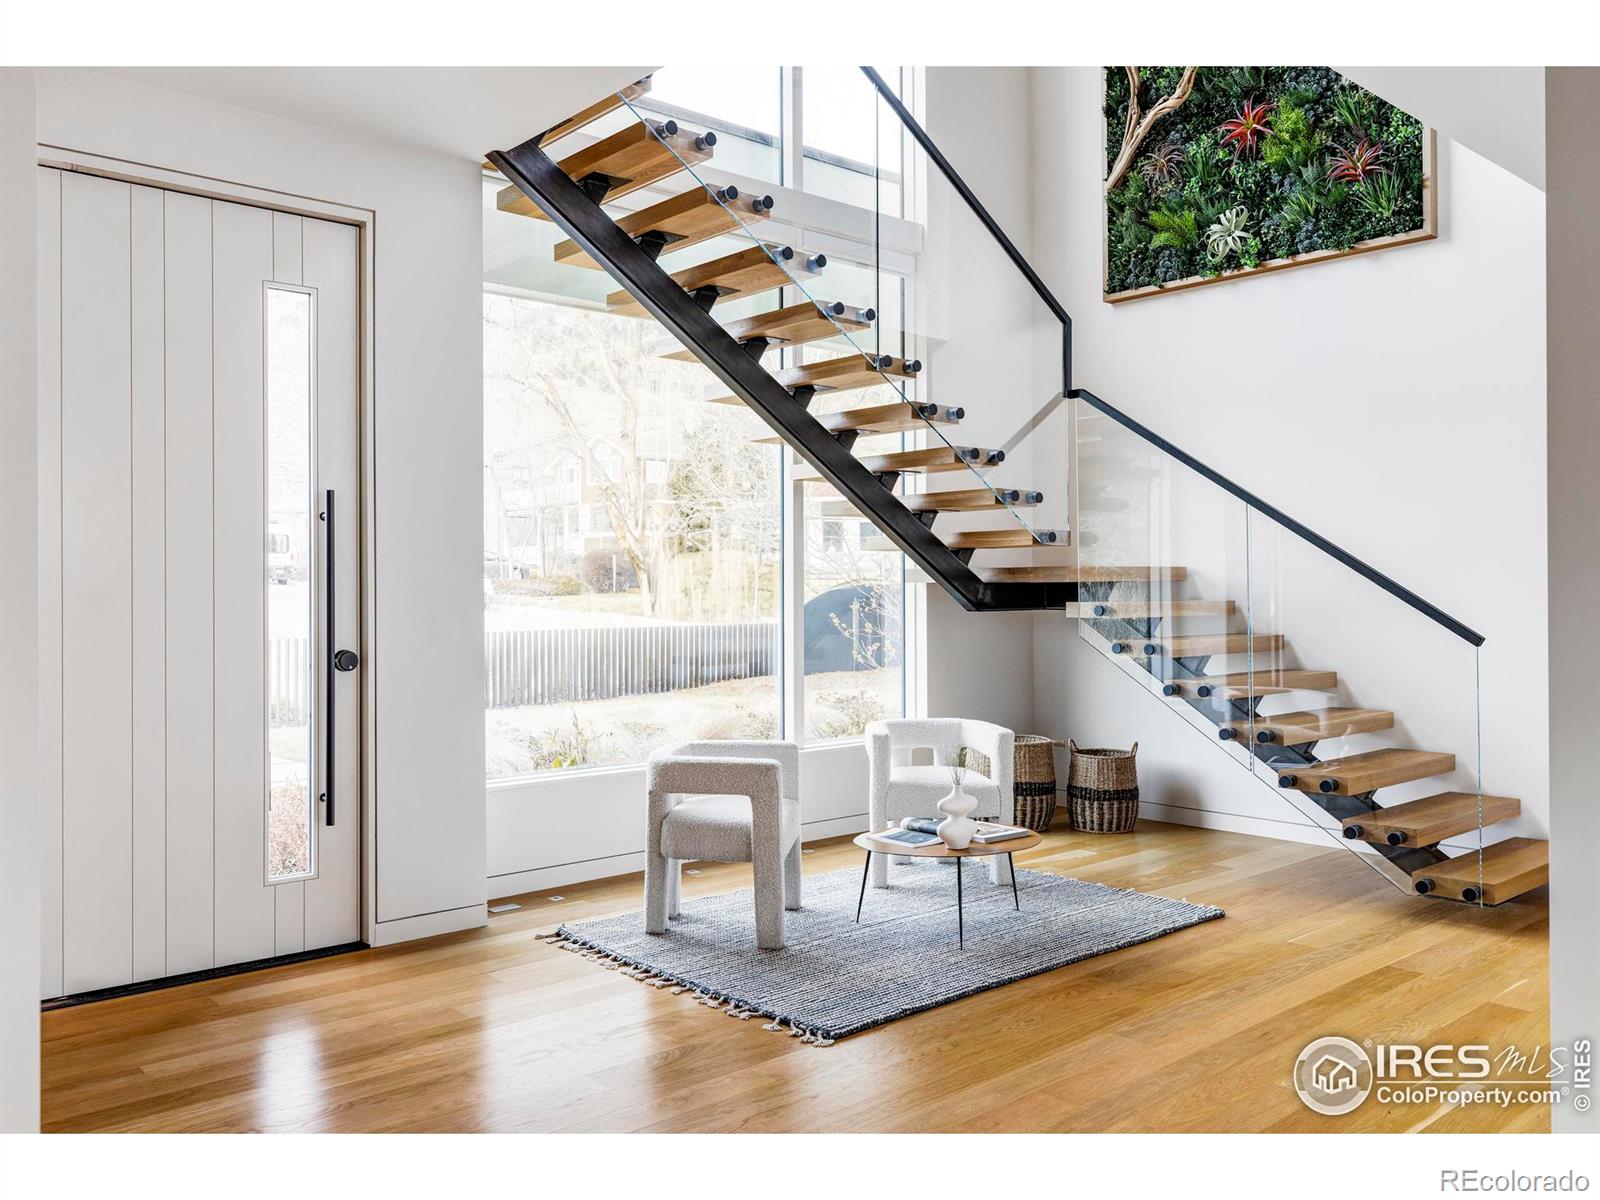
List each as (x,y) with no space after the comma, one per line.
(631,557)
(634,568)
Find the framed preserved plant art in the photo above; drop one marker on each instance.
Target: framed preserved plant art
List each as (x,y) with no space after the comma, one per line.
(1218,173)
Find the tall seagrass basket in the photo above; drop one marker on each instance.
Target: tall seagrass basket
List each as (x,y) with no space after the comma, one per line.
(1103,789)
(1033,778)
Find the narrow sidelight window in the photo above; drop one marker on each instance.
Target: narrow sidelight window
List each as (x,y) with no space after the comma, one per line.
(291,583)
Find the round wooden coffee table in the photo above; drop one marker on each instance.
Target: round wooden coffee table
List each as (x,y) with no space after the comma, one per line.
(873,843)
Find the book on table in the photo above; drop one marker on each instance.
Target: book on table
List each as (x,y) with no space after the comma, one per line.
(908,837)
(988,833)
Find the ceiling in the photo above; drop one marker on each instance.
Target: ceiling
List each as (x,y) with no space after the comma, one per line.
(461,111)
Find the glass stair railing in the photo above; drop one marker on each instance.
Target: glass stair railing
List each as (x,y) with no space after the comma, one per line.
(1350,696)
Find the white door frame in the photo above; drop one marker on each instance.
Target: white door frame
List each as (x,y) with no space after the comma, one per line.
(365,221)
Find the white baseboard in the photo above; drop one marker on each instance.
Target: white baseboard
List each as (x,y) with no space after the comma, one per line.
(1204,818)
(565,874)
(408,929)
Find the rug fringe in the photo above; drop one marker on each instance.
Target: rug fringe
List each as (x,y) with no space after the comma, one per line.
(562,940)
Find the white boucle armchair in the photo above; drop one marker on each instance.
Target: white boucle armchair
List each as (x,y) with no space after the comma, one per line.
(735,801)
(897,789)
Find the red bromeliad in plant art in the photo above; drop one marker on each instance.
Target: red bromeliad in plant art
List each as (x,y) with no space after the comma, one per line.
(1247,129)
(1354,166)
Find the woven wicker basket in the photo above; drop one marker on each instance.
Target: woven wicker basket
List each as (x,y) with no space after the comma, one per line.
(1034,781)
(1103,789)
(1033,785)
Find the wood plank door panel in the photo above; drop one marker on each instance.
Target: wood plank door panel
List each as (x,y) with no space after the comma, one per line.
(96,583)
(331,265)
(241,240)
(147,526)
(190,635)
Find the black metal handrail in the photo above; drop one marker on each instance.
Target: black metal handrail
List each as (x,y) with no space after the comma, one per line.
(967,194)
(1432,612)
(1366,570)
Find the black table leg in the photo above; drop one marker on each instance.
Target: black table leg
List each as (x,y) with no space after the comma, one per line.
(863,895)
(1011,865)
(961,929)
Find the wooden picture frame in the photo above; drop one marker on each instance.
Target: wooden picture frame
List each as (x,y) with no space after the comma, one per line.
(1427,232)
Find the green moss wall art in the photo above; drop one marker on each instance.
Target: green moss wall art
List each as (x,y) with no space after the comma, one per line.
(1217,173)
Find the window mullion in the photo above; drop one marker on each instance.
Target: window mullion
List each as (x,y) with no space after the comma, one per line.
(791,81)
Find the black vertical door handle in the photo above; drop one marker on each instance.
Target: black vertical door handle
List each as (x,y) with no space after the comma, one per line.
(331,664)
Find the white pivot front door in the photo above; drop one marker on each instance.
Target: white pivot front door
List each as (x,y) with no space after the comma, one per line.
(199,401)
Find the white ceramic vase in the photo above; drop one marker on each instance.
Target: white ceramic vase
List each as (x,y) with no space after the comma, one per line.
(957,828)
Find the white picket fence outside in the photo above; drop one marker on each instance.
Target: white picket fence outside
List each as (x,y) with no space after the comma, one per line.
(555,666)
(289,681)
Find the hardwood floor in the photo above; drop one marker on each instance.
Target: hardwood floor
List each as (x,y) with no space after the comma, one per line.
(492,1030)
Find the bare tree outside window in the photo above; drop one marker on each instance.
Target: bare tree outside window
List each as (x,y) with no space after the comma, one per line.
(631,545)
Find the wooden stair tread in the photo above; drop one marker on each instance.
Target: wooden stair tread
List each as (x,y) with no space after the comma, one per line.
(1367,772)
(1197,645)
(1508,869)
(1068,573)
(1117,573)
(1138,610)
(895,417)
(687,220)
(584,116)
(1064,573)
(758,268)
(929,460)
(971,499)
(1315,725)
(795,325)
(845,374)
(1430,820)
(634,157)
(1242,685)
(1019,536)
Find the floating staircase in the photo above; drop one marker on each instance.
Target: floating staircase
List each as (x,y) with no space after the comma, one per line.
(1406,836)
(1129,610)
(577,190)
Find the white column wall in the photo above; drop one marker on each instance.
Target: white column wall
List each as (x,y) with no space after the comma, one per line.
(1572,99)
(19,612)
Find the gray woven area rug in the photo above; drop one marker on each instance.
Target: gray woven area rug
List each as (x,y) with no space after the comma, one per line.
(835,977)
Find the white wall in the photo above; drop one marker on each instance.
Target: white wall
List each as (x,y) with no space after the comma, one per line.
(19,614)
(983,320)
(425,676)
(1574,496)
(1393,402)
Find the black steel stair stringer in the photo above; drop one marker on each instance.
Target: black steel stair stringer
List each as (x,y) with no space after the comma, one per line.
(538,177)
